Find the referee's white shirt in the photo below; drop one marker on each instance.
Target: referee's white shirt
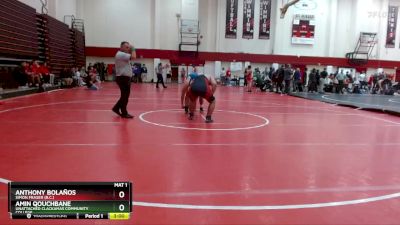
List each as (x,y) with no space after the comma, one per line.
(122,64)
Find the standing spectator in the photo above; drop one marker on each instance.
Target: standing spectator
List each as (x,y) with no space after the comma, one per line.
(144,73)
(340,77)
(183,75)
(312,81)
(228,77)
(287,77)
(297,87)
(363,80)
(244,77)
(271,74)
(249,78)
(169,73)
(89,67)
(137,73)
(280,74)
(223,76)
(324,76)
(160,78)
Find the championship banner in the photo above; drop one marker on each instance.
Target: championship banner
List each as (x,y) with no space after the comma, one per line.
(248,19)
(265,19)
(231,19)
(391,27)
(303,31)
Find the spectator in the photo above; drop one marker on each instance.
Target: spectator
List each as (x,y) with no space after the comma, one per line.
(329,83)
(66,77)
(137,73)
(144,73)
(92,82)
(312,81)
(223,76)
(340,77)
(169,73)
(363,80)
(271,74)
(287,77)
(89,67)
(78,77)
(297,87)
(48,77)
(280,75)
(249,78)
(322,80)
(228,77)
(183,75)
(20,75)
(36,77)
(160,78)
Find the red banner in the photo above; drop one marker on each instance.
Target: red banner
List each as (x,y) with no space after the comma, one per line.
(248,19)
(391,27)
(265,19)
(231,19)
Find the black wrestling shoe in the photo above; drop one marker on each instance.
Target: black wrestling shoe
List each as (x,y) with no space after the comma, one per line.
(191,116)
(127,116)
(201,109)
(116,111)
(209,120)
(186,109)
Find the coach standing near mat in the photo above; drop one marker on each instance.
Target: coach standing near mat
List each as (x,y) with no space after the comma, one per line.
(124,74)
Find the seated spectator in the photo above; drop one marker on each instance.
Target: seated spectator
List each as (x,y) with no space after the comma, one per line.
(83,75)
(92,82)
(35,74)
(77,77)
(20,75)
(93,72)
(66,77)
(47,76)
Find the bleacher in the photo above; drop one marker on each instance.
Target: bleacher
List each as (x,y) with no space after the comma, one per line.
(26,35)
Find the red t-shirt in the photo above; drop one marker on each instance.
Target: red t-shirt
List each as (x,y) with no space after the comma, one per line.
(27,69)
(35,69)
(228,73)
(44,70)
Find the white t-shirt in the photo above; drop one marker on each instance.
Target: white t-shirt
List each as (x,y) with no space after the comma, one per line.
(223,73)
(362,77)
(122,65)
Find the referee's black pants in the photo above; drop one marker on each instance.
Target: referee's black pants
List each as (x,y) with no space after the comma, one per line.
(124,84)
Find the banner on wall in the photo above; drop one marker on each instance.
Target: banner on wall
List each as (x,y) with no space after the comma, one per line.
(265,19)
(231,19)
(303,30)
(248,19)
(391,26)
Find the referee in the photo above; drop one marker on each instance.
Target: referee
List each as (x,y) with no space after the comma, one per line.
(124,74)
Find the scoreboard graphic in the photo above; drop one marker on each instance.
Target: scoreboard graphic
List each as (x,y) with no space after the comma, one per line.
(61,200)
(303,30)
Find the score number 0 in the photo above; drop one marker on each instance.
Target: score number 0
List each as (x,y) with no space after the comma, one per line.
(121,195)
